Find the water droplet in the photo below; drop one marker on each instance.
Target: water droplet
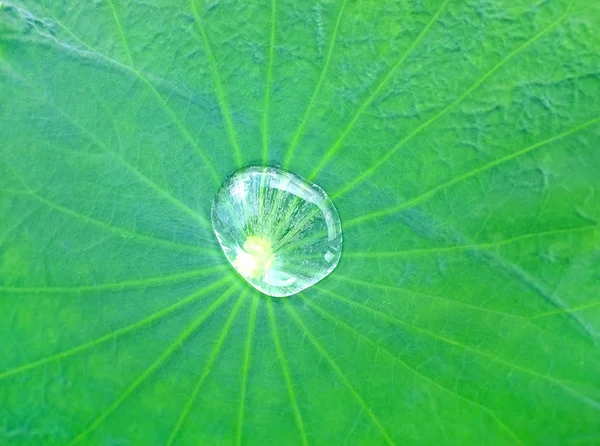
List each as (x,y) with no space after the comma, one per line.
(279,231)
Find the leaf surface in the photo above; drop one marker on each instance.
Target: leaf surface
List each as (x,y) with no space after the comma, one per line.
(459,142)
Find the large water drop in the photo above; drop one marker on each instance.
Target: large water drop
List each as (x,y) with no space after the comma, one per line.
(279,231)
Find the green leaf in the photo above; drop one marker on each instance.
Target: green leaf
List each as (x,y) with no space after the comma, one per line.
(459,142)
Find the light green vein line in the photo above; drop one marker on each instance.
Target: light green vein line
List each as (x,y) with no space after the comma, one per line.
(86,218)
(422,294)
(305,331)
(15,191)
(114,334)
(422,197)
(292,147)
(408,291)
(161,280)
(8,230)
(131,68)
(395,357)
(473,350)
(155,365)
(379,254)
(566,311)
(175,118)
(367,173)
(218,85)
(246,366)
(265,123)
(286,372)
(336,146)
(525,319)
(123,232)
(207,368)
(151,184)
(121,32)
(164,103)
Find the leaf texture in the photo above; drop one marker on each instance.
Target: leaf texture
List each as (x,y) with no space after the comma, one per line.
(459,142)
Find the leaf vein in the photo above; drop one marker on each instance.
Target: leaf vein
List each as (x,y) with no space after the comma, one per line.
(585,399)
(336,146)
(338,371)
(348,187)
(411,368)
(286,374)
(114,334)
(290,151)
(207,368)
(425,195)
(246,365)
(218,85)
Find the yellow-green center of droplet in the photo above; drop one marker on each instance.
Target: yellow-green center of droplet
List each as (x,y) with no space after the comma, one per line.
(255,258)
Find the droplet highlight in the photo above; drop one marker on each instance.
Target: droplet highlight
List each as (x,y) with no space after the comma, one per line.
(279,231)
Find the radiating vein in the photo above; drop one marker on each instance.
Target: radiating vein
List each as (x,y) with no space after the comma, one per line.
(290,151)
(155,365)
(246,365)
(218,85)
(207,368)
(372,285)
(123,232)
(286,373)
(367,173)
(116,333)
(578,308)
(585,399)
(425,195)
(151,184)
(265,123)
(336,146)
(90,53)
(121,32)
(400,253)
(308,334)
(133,70)
(147,181)
(443,186)
(336,321)
(517,272)
(141,283)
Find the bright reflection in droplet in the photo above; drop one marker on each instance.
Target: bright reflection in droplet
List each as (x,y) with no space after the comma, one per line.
(280,232)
